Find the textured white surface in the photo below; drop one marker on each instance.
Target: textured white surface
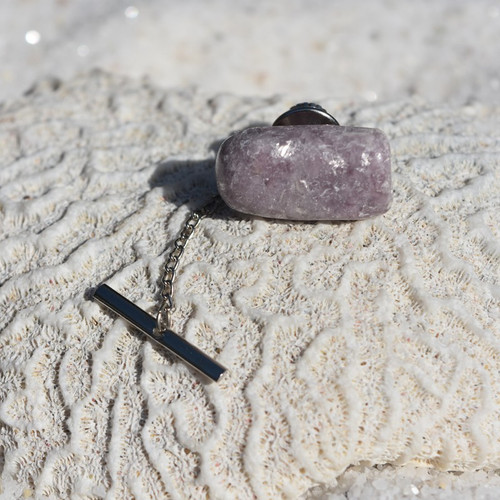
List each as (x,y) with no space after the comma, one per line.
(441,50)
(367,342)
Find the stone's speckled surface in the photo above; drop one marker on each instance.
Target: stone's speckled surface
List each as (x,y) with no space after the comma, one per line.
(313,172)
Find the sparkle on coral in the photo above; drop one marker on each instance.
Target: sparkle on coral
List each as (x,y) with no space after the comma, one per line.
(131,12)
(32,37)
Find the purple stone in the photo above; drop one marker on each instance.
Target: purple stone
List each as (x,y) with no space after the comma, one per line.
(306,172)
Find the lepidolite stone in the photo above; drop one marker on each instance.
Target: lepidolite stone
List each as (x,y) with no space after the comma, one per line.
(306,172)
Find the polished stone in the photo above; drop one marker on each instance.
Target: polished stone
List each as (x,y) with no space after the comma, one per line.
(311,172)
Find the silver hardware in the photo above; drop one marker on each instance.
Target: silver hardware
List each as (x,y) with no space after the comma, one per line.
(166,338)
(306,113)
(163,317)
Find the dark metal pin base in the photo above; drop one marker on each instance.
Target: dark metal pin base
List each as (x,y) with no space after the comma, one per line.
(167,339)
(305,113)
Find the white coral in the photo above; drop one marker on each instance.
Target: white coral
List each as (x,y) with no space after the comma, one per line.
(368,342)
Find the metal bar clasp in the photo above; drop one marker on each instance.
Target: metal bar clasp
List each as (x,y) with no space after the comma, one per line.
(168,339)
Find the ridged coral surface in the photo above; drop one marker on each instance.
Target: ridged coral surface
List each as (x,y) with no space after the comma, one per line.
(362,342)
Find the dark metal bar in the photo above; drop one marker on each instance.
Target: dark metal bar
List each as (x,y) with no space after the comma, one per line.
(146,324)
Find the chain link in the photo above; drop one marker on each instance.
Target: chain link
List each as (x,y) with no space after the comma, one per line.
(163,318)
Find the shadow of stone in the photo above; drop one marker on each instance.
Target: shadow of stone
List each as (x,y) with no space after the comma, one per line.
(186,182)
(192,183)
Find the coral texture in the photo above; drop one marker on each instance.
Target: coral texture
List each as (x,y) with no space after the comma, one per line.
(374,341)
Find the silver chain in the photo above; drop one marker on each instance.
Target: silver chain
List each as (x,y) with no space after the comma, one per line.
(164,316)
